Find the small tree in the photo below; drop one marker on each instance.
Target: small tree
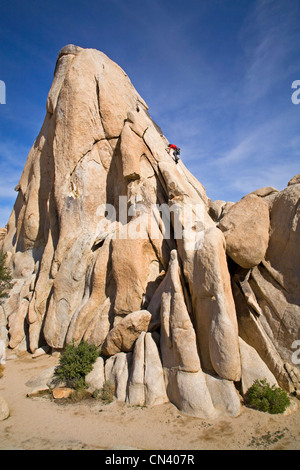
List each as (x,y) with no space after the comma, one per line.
(75,363)
(5,276)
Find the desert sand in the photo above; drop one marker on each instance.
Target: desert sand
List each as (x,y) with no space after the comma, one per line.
(41,423)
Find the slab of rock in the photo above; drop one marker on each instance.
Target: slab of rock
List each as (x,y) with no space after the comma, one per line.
(214,309)
(43,379)
(96,378)
(275,285)
(246,229)
(146,384)
(122,337)
(216,209)
(131,259)
(155,388)
(224,395)
(283,253)
(253,368)
(117,372)
(265,191)
(136,385)
(40,352)
(201,249)
(38,391)
(256,334)
(64,392)
(268,194)
(185,382)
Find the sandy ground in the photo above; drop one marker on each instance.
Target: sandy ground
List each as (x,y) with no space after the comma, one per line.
(41,423)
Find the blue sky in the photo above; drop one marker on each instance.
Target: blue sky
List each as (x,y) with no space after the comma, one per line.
(216,75)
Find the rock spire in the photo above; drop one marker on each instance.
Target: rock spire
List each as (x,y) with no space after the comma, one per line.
(111,242)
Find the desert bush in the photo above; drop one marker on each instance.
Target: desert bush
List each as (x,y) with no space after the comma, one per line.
(5,276)
(262,396)
(107,392)
(78,395)
(75,363)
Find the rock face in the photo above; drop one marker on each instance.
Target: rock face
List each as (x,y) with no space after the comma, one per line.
(3,233)
(253,367)
(123,336)
(111,242)
(267,296)
(246,228)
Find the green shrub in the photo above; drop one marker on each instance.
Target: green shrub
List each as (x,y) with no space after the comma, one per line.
(5,276)
(262,397)
(75,363)
(107,392)
(95,393)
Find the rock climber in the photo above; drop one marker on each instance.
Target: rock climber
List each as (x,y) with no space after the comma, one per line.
(176,152)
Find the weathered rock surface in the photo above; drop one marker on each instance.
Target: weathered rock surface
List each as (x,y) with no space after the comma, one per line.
(268,194)
(111,242)
(117,372)
(96,378)
(43,379)
(186,385)
(121,338)
(41,382)
(224,395)
(294,180)
(253,368)
(146,385)
(192,391)
(246,229)
(3,233)
(267,296)
(217,209)
(63,392)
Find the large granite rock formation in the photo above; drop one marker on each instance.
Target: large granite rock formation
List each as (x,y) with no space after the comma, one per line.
(110,241)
